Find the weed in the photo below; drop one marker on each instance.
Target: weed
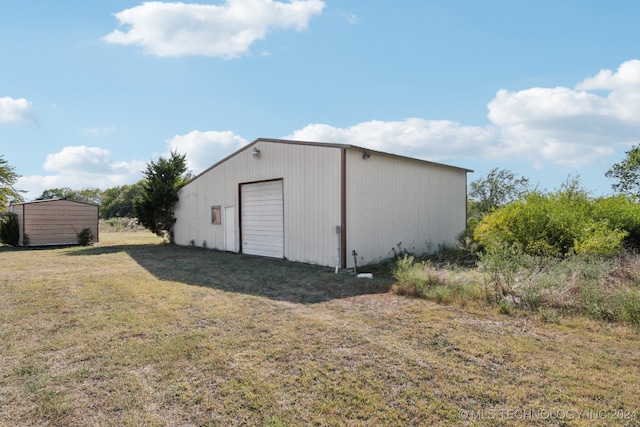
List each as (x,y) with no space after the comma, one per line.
(415,278)
(502,263)
(549,316)
(603,288)
(506,306)
(400,252)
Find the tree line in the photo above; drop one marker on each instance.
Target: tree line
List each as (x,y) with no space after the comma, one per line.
(150,200)
(503,209)
(116,202)
(506,214)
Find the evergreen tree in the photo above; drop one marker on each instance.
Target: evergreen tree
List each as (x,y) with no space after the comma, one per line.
(159,193)
(10,229)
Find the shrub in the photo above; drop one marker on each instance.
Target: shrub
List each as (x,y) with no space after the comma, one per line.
(561,223)
(413,278)
(85,237)
(603,288)
(599,239)
(621,212)
(631,307)
(10,229)
(502,262)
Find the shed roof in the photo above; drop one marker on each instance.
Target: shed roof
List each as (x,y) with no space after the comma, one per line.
(57,199)
(321,144)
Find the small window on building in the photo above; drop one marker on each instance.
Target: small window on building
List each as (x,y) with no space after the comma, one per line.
(216,217)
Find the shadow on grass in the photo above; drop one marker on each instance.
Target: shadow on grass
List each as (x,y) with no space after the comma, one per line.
(271,278)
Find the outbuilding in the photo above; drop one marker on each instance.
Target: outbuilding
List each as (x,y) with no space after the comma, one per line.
(54,221)
(322,203)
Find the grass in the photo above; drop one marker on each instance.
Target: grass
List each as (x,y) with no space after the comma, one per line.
(603,288)
(134,332)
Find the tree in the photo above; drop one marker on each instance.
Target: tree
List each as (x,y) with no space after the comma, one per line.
(159,193)
(8,178)
(500,187)
(87,195)
(9,229)
(117,202)
(627,172)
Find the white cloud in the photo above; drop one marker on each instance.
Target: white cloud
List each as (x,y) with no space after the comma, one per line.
(81,167)
(438,140)
(203,149)
(628,75)
(79,159)
(16,110)
(544,126)
(227,30)
(572,127)
(567,127)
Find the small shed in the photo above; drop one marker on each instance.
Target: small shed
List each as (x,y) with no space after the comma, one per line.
(322,203)
(54,221)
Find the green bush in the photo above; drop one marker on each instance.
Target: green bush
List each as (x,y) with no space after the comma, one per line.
(10,229)
(620,212)
(561,223)
(599,239)
(85,237)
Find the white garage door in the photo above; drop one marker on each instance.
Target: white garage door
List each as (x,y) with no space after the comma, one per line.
(262,219)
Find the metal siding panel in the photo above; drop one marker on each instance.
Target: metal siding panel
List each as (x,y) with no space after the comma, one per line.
(58,222)
(313,205)
(395,201)
(311,191)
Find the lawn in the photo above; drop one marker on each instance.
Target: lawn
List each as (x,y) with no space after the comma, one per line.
(135,332)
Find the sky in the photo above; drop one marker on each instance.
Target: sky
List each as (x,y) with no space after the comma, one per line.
(93,90)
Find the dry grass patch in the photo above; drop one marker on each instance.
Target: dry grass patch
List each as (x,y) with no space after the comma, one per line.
(134,332)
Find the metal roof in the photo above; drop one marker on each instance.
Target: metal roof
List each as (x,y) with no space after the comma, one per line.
(54,200)
(321,144)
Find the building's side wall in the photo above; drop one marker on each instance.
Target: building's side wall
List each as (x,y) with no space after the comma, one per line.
(397,203)
(57,222)
(311,189)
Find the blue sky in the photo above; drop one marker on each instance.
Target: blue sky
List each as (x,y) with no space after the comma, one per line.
(90,91)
